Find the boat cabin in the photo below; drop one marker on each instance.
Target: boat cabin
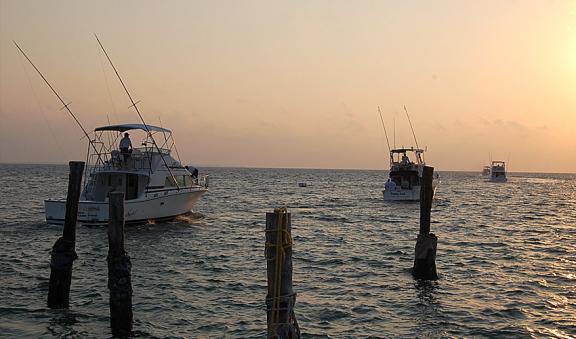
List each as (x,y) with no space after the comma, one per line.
(498,169)
(136,171)
(406,167)
(102,183)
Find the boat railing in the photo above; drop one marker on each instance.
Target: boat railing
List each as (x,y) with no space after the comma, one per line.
(396,166)
(115,160)
(204,181)
(152,150)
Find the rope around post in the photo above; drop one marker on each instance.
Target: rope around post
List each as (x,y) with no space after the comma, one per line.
(281,298)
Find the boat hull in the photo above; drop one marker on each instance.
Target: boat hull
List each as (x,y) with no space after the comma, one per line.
(156,206)
(498,179)
(402,194)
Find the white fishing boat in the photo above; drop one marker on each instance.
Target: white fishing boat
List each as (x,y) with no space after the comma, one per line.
(485,171)
(498,171)
(405,178)
(156,185)
(406,168)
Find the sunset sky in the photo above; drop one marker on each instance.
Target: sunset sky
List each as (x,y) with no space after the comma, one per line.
(298,83)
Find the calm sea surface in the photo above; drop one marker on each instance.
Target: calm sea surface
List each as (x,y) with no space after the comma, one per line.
(506,259)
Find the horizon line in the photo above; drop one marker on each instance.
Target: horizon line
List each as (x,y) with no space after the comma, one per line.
(300,168)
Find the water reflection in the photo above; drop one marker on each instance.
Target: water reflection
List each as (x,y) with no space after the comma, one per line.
(428,309)
(504,251)
(62,321)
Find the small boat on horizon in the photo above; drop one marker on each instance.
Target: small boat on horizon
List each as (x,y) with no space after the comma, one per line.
(498,171)
(156,185)
(485,171)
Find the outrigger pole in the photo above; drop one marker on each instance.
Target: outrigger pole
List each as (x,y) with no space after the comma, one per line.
(384,128)
(137,111)
(58,96)
(412,128)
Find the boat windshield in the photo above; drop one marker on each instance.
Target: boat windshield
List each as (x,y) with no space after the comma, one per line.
(406,157)
(152,150)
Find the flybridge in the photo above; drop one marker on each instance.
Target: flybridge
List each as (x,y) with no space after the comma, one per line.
(128,127)
(404,150)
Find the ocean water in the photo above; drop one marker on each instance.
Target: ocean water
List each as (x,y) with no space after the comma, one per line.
(506,259)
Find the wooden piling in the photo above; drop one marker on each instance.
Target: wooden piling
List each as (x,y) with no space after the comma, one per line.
(425,250)
(119,270)
(281,298)
(63,251)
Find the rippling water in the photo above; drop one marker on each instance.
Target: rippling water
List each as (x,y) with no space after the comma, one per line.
(506,259)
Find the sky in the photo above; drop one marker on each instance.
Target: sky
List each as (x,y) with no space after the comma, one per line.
(298,83)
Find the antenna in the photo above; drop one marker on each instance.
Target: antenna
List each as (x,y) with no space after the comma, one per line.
(410,122)
(394,124)
(137,111)
(384,128)
(58,96)
(108,89)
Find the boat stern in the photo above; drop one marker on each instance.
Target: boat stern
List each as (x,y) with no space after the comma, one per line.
(55,211)
(404,194)
(400,194)
(88,212)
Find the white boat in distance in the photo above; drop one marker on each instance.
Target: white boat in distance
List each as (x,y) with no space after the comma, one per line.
(156,186)
(498,171)
(406,175)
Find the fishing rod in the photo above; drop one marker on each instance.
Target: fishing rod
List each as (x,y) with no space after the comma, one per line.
(66,105)
(42,110)
(384,128)
(410,122)
(134,104)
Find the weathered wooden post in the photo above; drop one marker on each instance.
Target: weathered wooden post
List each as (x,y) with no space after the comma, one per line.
(63,251)
(119,269)
(425,251)
(281,298)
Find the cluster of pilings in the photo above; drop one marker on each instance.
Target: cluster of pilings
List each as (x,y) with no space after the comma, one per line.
(280,299)
(119,266)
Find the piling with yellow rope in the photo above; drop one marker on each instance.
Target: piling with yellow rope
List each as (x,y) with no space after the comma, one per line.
(281,298)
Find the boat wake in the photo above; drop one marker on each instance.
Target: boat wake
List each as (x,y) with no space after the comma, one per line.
(189,217)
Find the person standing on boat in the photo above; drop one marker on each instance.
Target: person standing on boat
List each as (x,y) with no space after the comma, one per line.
(390,185)
(126,147)
(194,173)
(405,159)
